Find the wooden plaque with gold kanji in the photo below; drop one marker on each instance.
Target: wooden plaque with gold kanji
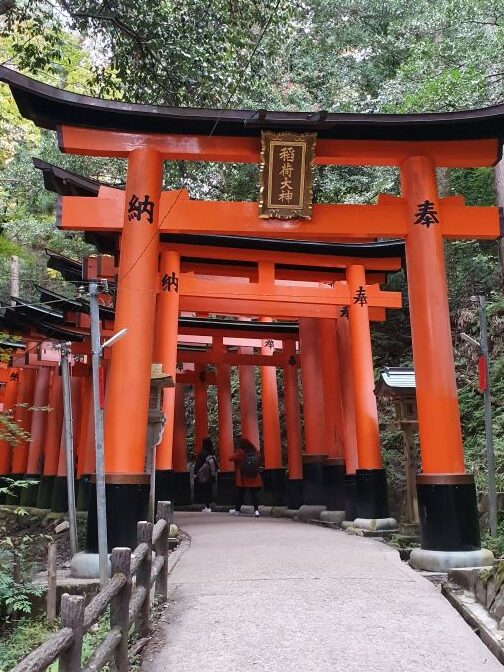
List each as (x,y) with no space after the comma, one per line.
(286,175)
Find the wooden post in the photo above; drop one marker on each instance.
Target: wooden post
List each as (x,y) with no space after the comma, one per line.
(143,576)
(119,607)
(72,616)
(164,512)
(411,471)
(51,581)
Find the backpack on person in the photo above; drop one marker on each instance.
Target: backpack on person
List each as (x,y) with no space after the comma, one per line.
(250,465)
(208,470)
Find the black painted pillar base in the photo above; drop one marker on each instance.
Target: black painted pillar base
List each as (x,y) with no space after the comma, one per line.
(334,482)
(3,484)
(83,492)
(59,502)
(29,495)
(313,479)
(273,490)
(226,488)
(448,512)
(351,496)
(294,493)
(45,490)
(182,488)
(127,503)
(165,488)
(15,497)
(372,494)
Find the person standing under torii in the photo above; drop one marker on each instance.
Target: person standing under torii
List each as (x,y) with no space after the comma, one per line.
(247,459)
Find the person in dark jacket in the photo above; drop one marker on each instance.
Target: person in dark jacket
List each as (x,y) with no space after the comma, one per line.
(247,459)
(205,472)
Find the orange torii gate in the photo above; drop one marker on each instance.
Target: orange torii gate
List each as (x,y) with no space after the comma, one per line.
(147,136)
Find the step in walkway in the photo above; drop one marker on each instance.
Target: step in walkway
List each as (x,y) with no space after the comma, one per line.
(278,596)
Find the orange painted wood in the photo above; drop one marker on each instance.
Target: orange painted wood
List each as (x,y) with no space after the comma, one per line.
(451,154)
(248,400)
(347,396)
(292,416)
(200,406)
(313,392)
(179,431)
(225,415)
(135,309)
(9,403)
(54,426)
(165,353)
(23,417)
(436,391)
(264,291)
(332,392)
(179,214)
(39,422)
(366,413)
(270,412)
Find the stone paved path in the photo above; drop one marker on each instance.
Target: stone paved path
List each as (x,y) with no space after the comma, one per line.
(279,596)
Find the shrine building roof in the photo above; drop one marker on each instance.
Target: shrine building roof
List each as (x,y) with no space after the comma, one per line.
(49,107)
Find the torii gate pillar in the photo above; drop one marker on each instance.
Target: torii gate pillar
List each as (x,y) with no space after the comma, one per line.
(371,479)
(294,494)
(11,391)
(446,493)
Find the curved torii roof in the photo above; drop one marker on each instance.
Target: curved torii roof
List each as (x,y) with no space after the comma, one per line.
(50,107)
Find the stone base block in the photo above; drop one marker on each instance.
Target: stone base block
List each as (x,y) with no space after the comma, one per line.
(336,517)
(14,498)
(375,524)
(310,511)
(86,566)
(442,561)
(350,489)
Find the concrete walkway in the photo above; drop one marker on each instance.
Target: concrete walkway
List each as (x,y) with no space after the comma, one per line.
(279,596)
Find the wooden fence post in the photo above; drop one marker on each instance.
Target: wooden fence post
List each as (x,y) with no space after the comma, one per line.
(164,512)
(51,582)
(143,575)
(72,616)
(120,560)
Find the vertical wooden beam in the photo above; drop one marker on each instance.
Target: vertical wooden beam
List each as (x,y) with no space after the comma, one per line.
(120,561)
(72,616)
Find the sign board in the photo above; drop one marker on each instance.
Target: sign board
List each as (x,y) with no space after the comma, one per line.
(286,175)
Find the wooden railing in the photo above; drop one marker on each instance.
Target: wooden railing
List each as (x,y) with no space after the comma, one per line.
(128,605)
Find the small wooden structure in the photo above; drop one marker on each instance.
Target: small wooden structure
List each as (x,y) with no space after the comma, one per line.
(398,384)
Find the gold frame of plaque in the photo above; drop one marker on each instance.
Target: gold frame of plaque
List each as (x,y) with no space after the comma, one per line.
(286,175)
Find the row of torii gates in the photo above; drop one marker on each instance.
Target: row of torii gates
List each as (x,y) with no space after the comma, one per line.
(316,283)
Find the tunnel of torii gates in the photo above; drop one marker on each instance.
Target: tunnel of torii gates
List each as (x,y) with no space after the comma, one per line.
(221,258)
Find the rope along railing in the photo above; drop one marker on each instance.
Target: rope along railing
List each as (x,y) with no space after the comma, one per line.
(128,605)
